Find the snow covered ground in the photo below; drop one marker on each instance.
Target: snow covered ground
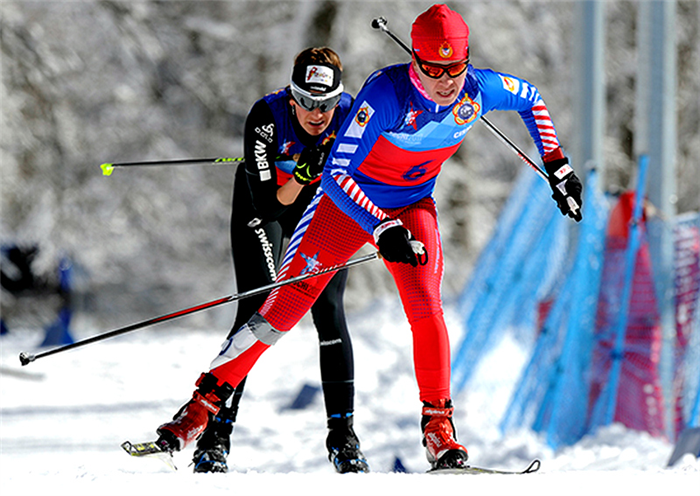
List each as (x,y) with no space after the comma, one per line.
(64,416)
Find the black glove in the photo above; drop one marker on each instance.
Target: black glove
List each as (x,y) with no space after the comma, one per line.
(566,187)
(397,244)
(311,162)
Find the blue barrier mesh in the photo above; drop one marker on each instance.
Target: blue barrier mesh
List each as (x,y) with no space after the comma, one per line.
(511,214)
(563,286)
(569,393)
(551,395)
(517,262)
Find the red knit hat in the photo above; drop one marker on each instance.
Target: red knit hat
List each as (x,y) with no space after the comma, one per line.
(440,34)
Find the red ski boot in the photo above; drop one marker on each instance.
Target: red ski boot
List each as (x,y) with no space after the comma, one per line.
(189,423)
(441,447)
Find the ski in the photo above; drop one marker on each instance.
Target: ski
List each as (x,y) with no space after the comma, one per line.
(532,468)
(149,449)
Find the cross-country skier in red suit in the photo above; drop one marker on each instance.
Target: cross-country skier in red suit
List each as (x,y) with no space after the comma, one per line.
(288,136)
(377,187)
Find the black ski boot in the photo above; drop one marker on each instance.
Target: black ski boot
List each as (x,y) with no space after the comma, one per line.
(214,445)
(344,446)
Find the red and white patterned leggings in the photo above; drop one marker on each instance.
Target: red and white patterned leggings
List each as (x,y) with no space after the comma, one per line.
(331,238)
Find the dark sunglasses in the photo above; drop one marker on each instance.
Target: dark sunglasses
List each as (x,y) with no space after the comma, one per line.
(435,71)
(310,102)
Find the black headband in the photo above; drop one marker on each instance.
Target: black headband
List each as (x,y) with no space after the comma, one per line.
(316,77)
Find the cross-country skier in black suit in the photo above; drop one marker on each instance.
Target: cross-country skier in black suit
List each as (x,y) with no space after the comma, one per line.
(288,135)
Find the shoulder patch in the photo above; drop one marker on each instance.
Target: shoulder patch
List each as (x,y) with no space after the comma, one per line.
(510,84)
(357,127)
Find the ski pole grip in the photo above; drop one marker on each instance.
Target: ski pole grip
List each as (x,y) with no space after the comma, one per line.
(26,358)
(379,22)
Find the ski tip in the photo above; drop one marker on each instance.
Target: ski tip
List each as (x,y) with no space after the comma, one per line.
(533,467)
(107,169)
(128,447)
(25,358)
(141,449)
(149,450)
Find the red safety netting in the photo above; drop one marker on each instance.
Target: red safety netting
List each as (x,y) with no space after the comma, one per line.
(639,401)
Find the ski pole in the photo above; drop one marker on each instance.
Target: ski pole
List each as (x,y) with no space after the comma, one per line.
(108,168)
(380,23)
(26,358)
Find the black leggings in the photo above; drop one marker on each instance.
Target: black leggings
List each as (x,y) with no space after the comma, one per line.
(256,255)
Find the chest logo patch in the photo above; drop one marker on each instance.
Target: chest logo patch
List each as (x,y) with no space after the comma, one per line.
(466,110)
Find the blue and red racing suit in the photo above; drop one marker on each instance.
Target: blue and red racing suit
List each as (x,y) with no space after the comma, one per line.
(384,164)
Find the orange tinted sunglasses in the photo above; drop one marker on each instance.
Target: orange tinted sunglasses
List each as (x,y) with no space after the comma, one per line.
(435,71)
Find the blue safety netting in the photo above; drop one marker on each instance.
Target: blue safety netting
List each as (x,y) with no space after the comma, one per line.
(517,266)
(551,395)
(592,333)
